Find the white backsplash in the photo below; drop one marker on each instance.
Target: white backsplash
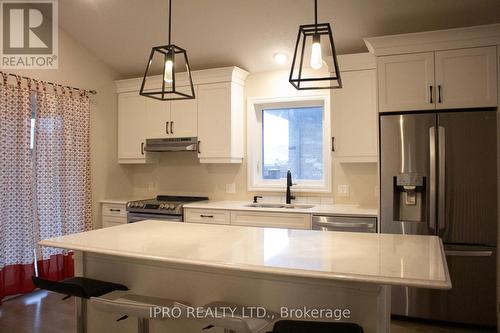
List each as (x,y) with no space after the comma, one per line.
(298,199)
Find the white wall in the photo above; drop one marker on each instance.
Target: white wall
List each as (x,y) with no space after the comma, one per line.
(183,174)
(79,68)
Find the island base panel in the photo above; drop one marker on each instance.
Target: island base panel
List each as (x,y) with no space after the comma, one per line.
(369,304)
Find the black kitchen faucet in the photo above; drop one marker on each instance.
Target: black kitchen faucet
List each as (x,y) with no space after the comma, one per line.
(289,196)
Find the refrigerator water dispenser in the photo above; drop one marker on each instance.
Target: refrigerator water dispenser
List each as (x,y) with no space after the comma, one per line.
(410,197)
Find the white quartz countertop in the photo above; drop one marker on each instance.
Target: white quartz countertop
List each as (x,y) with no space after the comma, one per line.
(119,201)
(361,257)
(122,200)
(343,210)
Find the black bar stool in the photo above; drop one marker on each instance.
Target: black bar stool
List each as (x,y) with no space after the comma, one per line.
(298,326)
(78,286)
(81,287)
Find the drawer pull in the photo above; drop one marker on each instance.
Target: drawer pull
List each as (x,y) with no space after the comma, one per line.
(208,216)
(115,210)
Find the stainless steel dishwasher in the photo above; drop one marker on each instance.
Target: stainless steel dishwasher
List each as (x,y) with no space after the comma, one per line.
(344,223)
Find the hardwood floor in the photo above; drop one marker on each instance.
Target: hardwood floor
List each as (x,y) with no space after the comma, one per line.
(406,326)
(38,312)
(45,312)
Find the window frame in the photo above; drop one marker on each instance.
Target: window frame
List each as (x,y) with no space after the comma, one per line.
(254,143)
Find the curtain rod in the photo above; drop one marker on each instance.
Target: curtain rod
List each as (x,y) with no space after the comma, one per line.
(93,92)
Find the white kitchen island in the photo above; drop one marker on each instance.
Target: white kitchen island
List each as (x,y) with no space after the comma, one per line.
(278,269)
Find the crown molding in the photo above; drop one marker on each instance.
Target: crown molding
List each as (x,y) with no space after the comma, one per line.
(214,75)
(476,36)
(357,62)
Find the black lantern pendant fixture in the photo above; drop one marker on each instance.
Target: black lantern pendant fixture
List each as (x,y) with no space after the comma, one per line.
(176,82)
(306,73)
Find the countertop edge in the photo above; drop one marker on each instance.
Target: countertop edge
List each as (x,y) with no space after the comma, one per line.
(442,285)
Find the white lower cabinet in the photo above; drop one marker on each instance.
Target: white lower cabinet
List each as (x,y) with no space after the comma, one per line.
(113,214)
(211,216)
(112,221)
(248,218)
(271,220)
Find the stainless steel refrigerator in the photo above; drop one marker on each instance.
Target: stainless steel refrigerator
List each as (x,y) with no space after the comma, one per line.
(438,176)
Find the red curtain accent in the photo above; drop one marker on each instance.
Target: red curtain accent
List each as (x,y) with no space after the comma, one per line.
(16,279)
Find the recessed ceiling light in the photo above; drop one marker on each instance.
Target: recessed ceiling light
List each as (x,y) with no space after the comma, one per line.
(280,57)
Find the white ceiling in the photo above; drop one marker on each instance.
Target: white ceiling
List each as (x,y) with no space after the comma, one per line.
(247,33)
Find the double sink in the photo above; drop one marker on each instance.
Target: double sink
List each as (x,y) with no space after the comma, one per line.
(279,205)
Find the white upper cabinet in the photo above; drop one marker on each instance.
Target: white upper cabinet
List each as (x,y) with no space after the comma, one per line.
(183,118)
(217,110)
(220,122)
(452,79)
(466,78)
(176,119)
(354,117)
(131,128)
(157,117)
(406,82)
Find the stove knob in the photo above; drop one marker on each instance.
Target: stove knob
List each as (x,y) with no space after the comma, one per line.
(133,204)
(141,205)
(162,206)
(171,206)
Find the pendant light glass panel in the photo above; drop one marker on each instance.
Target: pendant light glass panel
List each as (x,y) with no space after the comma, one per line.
(175,80)
(315,64)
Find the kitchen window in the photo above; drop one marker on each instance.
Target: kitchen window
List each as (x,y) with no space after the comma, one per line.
(289,134)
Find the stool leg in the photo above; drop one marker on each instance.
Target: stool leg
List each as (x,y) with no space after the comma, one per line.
(81,315)
(142,325)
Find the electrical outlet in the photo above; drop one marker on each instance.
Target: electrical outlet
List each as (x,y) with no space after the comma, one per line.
(231,188)
(343,190)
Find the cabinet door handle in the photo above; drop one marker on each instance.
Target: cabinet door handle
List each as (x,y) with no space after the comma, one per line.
(333,143)
(439,93)
(431,99)
(208,216)
(199,144)
(115,210)
(171,127)
(166,127)
(142,148)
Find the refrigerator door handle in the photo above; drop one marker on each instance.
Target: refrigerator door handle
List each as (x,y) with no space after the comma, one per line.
(442,177)
(432,178)
(458,253)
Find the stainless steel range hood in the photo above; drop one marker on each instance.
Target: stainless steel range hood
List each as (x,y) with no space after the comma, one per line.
(171,144)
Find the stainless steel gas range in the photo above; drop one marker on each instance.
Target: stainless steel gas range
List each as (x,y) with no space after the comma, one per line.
(163,207)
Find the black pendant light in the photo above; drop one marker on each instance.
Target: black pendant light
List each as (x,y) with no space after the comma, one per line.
(312,41)
(175,64)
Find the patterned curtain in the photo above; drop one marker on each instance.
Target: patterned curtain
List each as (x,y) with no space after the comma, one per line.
(16,205)
(44,187)
(62,166)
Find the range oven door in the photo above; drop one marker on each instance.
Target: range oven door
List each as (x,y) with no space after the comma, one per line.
(136,217)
